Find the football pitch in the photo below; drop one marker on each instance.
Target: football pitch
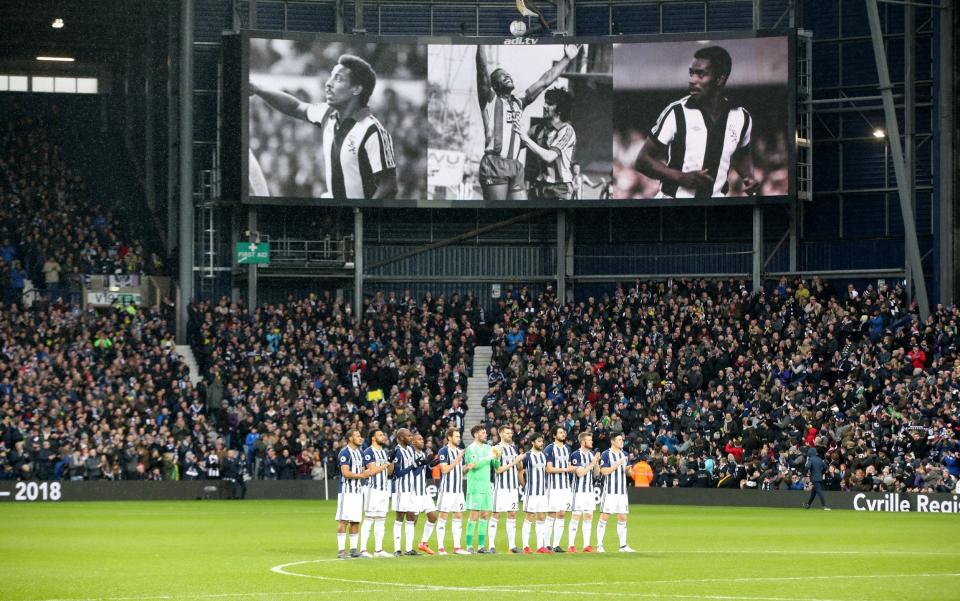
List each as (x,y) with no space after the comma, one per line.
(285,551)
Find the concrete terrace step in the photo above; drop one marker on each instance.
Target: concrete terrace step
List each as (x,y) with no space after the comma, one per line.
(476,388)
(187,353)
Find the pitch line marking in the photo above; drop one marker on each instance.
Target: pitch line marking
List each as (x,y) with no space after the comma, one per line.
(536,588)
(216,595)
(748,579)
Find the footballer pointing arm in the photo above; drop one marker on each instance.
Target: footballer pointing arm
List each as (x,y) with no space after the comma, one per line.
(283,102)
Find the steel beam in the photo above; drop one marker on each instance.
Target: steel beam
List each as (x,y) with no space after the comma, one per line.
(561,255)
(909,110)
(914,262)
(357,262)
(185,227)
(757,272)
(254,236)
(947,262)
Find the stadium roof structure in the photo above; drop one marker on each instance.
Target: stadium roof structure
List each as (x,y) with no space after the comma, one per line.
(93,30)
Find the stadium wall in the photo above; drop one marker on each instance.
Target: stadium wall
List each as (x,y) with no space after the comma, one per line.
(27,492)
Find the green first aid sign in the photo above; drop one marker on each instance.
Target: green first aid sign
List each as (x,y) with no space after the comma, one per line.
(249,253)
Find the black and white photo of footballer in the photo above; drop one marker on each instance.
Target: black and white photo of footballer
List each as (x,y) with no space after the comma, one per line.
(715,141)
(505,120)
(336,120)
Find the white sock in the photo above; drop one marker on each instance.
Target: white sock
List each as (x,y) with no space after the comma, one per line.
(557,532)
(397,535)
(601,528)
(379,531)
(542,535)
(341,541)
(427,531)
(492,532)
(622,533)
(511,532)
(572,530)
(410,528)
(457,531)
(585,528)
(547,531)
(524,532)
(365,526)
(441,532)
(354,539)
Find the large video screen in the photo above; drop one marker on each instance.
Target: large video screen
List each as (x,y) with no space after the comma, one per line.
(475,122)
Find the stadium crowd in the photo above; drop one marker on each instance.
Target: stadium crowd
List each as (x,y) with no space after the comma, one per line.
(297,376)
(710,384)
(49,224)
(715,386)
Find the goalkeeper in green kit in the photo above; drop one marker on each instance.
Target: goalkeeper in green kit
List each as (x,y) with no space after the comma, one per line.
(479,459)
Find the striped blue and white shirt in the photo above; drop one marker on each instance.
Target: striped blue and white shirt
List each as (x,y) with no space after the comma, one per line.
(379,481)
(353,459)
(582,458)
(614,483)
(498,117)
(536,467)
(693,144)
(356,151)
(508,479)
(559,456)
(452,481)
(420,473)
(404,462)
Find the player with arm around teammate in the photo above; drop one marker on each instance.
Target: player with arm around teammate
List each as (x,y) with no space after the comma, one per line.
(551,143)
(426,504)
(613,468)
(586,466)
(406,500)
(501,173)
(350,498)
(506,489)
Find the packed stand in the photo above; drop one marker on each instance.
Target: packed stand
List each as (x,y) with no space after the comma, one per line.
(285,382)
(92,395)
(49,224)
(713,386)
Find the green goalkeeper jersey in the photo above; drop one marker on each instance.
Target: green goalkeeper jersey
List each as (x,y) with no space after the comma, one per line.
(478,479)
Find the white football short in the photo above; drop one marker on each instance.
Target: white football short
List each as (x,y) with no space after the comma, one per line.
(406,501)
(425,504)
(377,503)
(535,504)
(349,507)
(614,504)
(584,501)
(450,501)
(506,500)
(559,499)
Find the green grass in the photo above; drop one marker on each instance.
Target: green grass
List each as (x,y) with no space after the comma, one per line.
(219,550)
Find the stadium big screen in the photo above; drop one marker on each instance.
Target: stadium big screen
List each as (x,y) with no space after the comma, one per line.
(480,122)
